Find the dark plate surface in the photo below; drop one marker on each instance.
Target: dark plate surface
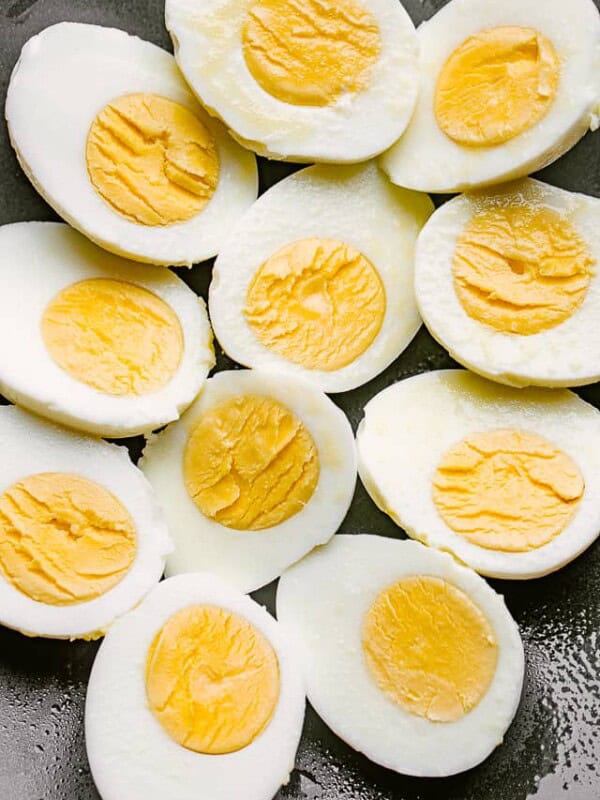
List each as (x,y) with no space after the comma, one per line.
(552,750)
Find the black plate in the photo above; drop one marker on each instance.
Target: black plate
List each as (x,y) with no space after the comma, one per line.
(552,750)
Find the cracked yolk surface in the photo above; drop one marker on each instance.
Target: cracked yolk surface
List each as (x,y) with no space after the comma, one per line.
(212,679)
(507,490)
(310,52)
(64,539)
(496,85)
(152,160)
(521,270)
(114,336)
(250,463)
(429,648)
(316,302)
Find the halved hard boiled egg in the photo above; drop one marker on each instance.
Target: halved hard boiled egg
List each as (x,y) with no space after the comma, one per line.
(110,135)
(82,538)
(507,480)
(196,692)
(260,470)
(507,281)
(92,340)
(323,80)
(317,278)
(409,657)
(507,86)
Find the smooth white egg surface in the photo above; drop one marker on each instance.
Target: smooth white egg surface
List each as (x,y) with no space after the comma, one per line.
(507,86)
(411,659)
(301,81)
(110,135)
(260,470)
(82,538)
(93,341)
(507,281)
(507,480)
(317,278)
(196,692)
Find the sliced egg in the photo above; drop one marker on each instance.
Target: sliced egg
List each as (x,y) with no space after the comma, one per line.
(507,480)
(260,470)
(82,538)
(408,657)
(110,135)
(507,281)
(317,278)
(93,341)
(507,86)
(196,692)
(302,80)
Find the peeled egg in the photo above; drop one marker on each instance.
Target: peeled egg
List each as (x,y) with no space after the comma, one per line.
(507,281)
(196,692)
(317,278)
(93,341)
(507,86)
(110,135)
(260,470)
(408,657)
(508,480)
(301,80)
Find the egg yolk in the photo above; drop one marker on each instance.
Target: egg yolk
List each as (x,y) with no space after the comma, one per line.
(316,302)
(496,85)
(64,539)
(152,160)
(212,680)
(114,336)
(521,270)
(507,490)
(250,463)
(429,648)
(310,52)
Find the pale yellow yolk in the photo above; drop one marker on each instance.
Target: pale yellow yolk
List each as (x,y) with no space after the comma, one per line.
(114,336)
(250,463)
(429,648)
(507,490)
(310,52)
(64,539)
(212,680)
(496,85)
(152,160)
(316,302)
(521,270)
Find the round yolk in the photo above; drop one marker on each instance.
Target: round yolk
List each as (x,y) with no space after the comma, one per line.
(250,463)
(114,336)
(429,648)
(496,85)
(212,680)
(152,160)
(310,52)
(507,490)
(316,302)
(64,539)
(521,270)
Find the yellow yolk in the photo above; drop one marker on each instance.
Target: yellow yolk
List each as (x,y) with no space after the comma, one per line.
(64,539)
(152,160)
(496,85)
(250,463)
(507,490)
(114,336)
(212,680)
(521,270)
(310,52)
(429,648)
(316,302)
